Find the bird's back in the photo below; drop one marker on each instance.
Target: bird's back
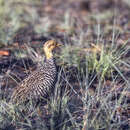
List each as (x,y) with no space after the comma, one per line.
(38,84)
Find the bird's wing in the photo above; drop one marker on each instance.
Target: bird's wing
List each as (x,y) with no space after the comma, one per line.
(27,86)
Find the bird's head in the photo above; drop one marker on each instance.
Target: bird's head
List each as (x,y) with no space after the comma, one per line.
(49,46)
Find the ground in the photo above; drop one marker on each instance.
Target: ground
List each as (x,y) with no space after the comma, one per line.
(93,90)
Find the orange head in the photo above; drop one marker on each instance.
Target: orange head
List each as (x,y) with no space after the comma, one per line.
(48,47)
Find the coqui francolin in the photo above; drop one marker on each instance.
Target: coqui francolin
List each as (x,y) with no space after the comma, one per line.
(40,82)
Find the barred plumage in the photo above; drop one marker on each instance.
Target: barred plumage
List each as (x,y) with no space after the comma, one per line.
(41,81)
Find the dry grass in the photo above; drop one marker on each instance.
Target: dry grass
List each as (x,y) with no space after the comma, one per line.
(93,67)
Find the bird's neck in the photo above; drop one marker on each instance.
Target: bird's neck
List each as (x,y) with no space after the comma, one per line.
(50,60)
(48,55)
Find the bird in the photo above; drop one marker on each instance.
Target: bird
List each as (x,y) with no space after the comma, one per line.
(41,82)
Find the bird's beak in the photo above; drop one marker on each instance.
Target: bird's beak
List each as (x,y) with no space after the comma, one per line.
(58,44)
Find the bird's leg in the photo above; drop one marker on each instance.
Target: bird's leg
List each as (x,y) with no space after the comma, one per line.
(39,112)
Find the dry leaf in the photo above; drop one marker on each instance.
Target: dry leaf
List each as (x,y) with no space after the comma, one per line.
(4,53)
